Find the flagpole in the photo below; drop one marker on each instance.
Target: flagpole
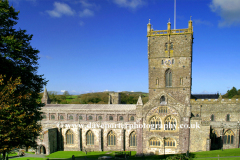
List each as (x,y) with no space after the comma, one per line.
(175,14)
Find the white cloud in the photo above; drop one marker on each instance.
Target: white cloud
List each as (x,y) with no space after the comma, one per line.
(85,3)
(60,9)
(229,10)
(86,13)
(132,4)
(63,90)
(200,22)
(43,56)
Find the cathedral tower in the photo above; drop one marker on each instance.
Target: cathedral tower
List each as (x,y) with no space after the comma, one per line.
(170,61)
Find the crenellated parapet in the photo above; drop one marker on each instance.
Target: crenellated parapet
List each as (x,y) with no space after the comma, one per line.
(214,101)
(169,31)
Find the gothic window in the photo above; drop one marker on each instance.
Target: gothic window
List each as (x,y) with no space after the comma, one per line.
(170,123)
(154,142)
(52,117)
(157,81)
(155,123)
(61,117)
(111,139)
(228,137)
(162,109)
(166,46)
(71,117)
(44,116)
(197,115)
(131,118)
(171,46)
(80,117)
(99,118)
(228,117)
(170,142)
(90,138)
(111,118)
(133,139)
(69,137)
(212,117)
(168,77)
(121,118)
(90,118)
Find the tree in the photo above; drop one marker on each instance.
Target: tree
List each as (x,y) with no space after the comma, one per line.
(18,60)
(66,93)
(232,92)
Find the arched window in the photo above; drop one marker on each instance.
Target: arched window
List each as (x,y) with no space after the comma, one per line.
(131,118)
(170,123)
(168,77)
(69,137)
(133,139)
(212,117)
(154,142)
(110,118)
(197,115)
(44,116)
(170,142)
(99,118)
(171,46)
(111,139)
(52,117)
(172,61)
(61,117)
(155,123)
(90,118)
(80,117)
(121,118)
(71,117)
(162,61)
(228,117)
(228,137)
(162,100)
(90,138)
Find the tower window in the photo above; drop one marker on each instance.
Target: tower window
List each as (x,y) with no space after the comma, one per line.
(71,117)
(90,117)
(212,117)
(228,117)
(111,118)
(52,117)
(171,46)
(162,61)
(166,46)
(157,82)
(172,61)
(168,77)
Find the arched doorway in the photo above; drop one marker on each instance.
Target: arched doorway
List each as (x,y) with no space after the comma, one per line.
(42,150)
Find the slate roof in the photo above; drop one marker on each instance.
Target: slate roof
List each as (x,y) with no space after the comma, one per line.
(204,96)
(91,106)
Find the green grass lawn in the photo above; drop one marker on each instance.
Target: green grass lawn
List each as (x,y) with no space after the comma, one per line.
(95,155)
(215,153)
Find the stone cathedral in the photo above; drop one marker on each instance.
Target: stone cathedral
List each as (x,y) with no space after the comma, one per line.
(172,121)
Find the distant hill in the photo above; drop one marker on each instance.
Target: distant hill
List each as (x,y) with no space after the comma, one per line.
(96,98)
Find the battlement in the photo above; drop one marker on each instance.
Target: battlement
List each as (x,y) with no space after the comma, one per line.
(169,31)
(220,100)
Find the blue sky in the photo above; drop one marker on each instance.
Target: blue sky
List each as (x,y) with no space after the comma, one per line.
(97,45)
